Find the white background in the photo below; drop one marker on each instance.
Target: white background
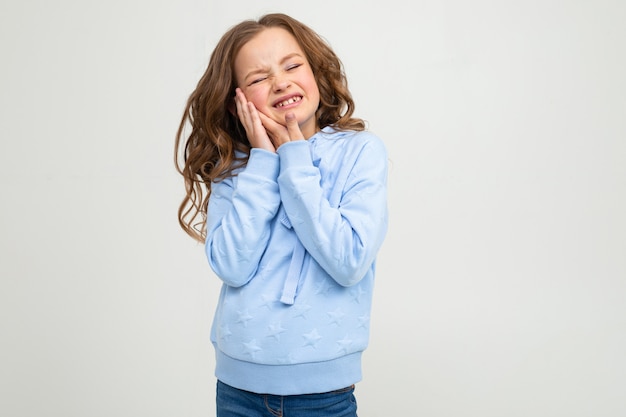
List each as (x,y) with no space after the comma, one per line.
(501,287)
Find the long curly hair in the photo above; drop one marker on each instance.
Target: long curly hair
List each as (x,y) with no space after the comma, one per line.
(217,144)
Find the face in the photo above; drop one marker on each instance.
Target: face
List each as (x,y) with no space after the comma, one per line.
(274,74)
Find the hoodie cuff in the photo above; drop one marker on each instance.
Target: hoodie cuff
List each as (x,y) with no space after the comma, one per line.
(262,163)
(294,154)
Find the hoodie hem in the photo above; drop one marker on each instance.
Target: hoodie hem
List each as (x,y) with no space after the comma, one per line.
(294,379)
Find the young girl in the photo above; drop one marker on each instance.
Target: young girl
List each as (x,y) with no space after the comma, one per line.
(288,192)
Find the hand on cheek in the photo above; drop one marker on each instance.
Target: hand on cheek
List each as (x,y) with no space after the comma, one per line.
(282,133)
(251,120)
(263,131)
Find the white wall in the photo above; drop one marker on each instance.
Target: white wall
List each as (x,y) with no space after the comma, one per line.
(502,282)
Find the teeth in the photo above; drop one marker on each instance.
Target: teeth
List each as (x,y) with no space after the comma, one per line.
(287,102)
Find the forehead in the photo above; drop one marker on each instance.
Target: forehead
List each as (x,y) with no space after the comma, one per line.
(269,45)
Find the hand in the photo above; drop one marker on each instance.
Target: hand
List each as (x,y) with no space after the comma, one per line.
(279,133)
(263,131)
(251,121)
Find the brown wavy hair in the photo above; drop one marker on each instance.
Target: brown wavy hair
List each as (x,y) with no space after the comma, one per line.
(217,143)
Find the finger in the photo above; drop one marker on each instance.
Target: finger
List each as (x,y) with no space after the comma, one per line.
(271,125)
(292,127)
(240,100)
(243,111)
(255,119)
(238,105)
(277,132)
(258,136)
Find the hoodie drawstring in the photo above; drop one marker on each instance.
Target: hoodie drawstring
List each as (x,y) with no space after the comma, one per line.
(293,275)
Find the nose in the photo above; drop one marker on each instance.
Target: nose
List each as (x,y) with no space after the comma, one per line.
(281,82)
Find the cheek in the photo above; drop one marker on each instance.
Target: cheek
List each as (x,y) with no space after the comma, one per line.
(257,97)
(312,87)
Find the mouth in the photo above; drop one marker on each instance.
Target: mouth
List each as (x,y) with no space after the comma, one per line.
(288,101)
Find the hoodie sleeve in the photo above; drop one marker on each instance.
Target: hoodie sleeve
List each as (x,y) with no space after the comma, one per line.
(345,236)
(239,214)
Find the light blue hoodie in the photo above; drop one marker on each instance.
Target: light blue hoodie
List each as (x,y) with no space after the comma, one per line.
(294,237)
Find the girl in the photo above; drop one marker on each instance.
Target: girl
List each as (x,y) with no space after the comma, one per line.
(288,192)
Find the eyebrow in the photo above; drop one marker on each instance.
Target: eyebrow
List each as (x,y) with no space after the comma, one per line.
(282,61)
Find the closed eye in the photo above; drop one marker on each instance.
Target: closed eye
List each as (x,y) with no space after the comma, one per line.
(293,66)
(257,80)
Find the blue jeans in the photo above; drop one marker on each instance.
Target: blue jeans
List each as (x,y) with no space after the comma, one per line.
(233,402)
